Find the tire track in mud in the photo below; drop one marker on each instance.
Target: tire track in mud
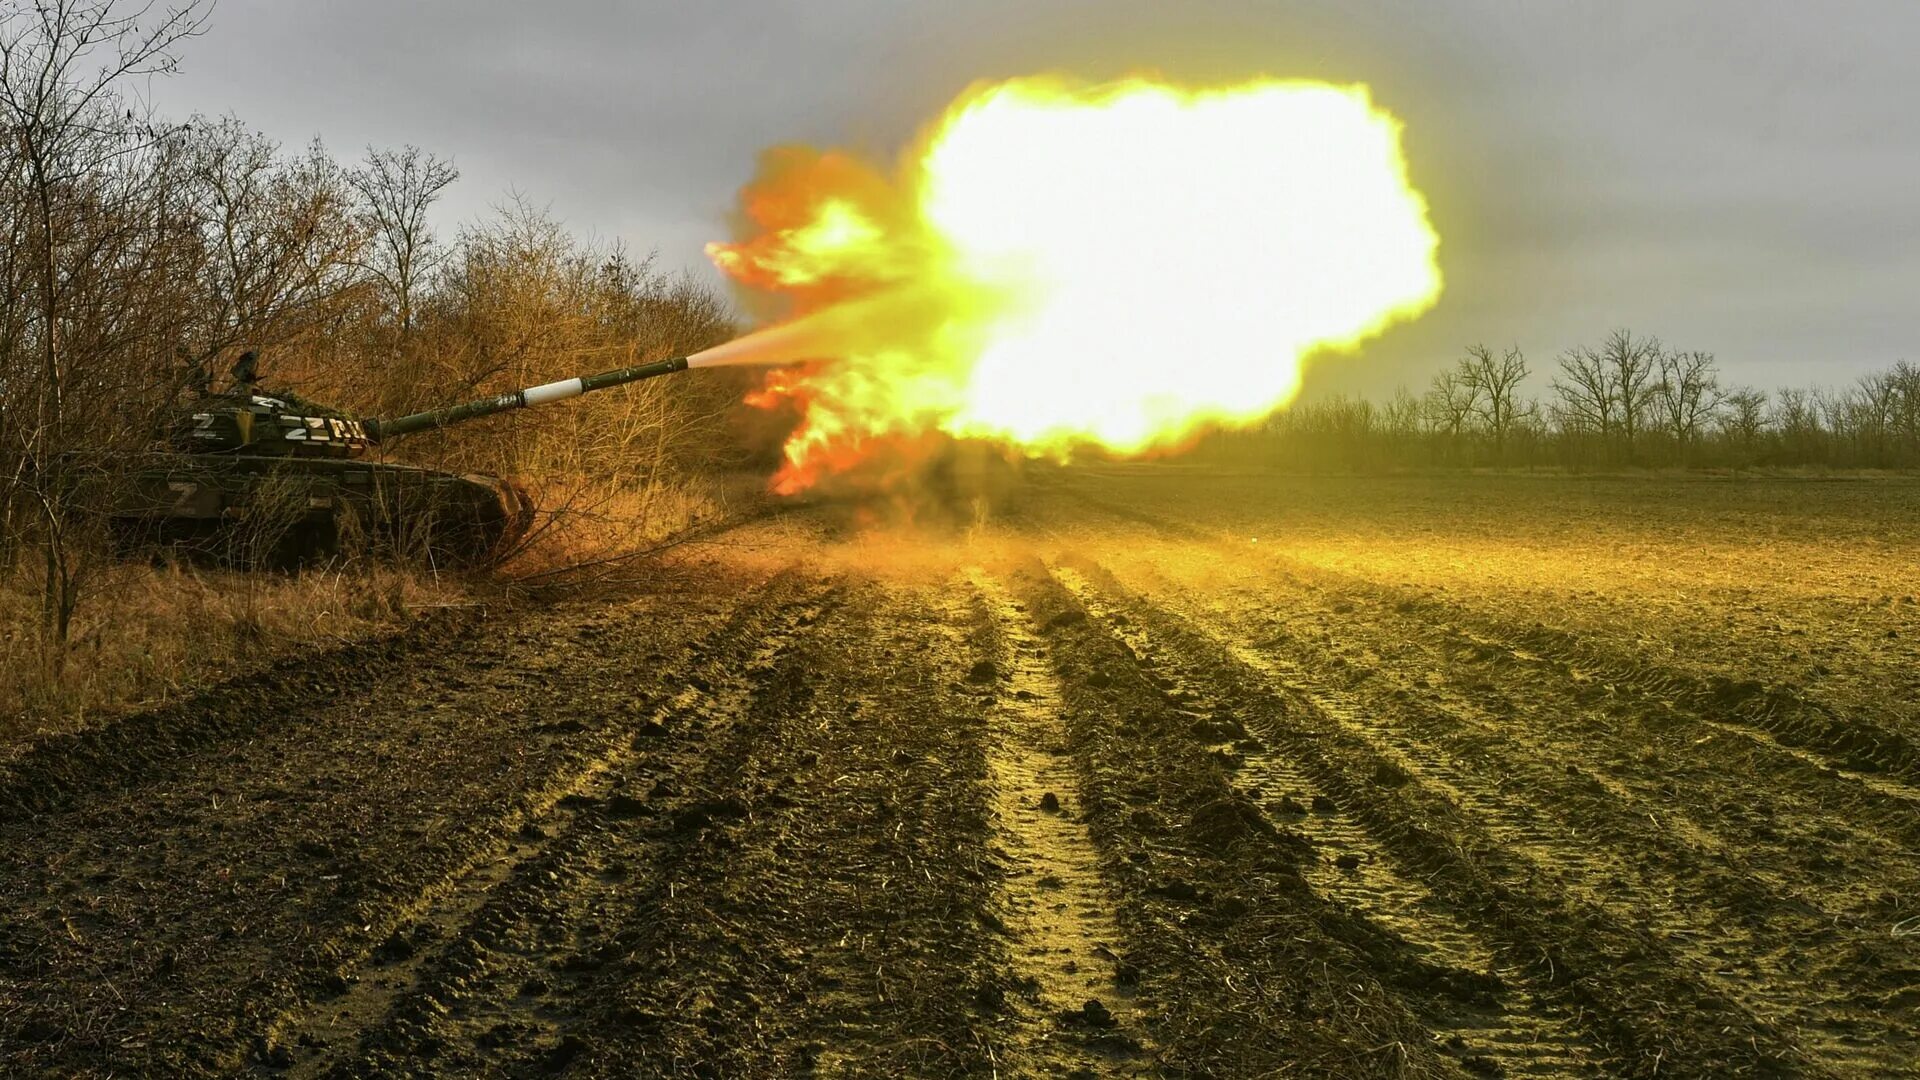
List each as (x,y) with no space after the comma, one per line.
(238,881)
(1783,719)
(1826,833)
(1815,868)
(1765,948)
(1520,1032)
(1062,939)
(1621,981)
(838,925)
(1741,710)
(1788,729)
(475,979)
(1636,700)
(1808,832)
(1243,969)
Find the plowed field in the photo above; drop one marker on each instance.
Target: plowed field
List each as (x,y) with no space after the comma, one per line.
(1152,772)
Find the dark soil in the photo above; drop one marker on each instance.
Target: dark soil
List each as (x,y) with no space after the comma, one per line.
(1157,775)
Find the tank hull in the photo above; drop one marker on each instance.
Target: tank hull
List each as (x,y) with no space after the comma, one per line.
(257,510)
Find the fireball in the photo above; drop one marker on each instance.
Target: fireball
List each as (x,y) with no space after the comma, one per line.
(1057,265)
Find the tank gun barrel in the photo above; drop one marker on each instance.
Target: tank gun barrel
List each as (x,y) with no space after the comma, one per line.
(381,430)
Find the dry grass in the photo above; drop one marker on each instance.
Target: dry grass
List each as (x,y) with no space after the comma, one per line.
(583,522)
(145,633)
(151,633)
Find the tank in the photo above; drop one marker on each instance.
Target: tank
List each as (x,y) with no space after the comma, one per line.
(257,478)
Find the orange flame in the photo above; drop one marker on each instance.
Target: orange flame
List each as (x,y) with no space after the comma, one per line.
(1056,265)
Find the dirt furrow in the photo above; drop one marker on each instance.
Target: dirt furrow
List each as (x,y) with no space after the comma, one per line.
(168,925)
(840,923)
(1831,841)
(1075,1016)
(1738,932)
(1245,970)
(1826,835)
(482,978)
(1784,718)
(1518,1032)
(1848,741)
(1605,965)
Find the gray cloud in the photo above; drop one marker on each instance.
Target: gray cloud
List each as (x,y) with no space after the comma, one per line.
(1732,176)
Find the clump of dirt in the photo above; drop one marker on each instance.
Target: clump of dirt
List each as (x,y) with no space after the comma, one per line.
(1223,823)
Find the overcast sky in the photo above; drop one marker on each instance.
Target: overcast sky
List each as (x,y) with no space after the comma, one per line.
(1737,177)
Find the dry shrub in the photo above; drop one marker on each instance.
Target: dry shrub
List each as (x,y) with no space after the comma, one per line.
(583,523)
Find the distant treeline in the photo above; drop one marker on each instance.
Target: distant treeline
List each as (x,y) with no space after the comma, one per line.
(1630,402)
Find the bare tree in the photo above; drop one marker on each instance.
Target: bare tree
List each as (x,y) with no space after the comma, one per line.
(1906,412)
(1400,421)
(1876,408)
(1840,419)
(1686,397)
(1610,391)
(1629,365)
(61,63)
(281,238)
(397,188)
(1796,416)
(91,246)
(1744,418)
(1585,403)
(1493,384)
(1871,423)
(1449,406)
(1531,428)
